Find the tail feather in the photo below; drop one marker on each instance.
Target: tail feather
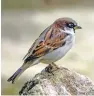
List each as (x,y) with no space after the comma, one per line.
(20,71)
(15,75)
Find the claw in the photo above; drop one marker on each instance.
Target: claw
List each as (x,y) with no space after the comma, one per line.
(51,68)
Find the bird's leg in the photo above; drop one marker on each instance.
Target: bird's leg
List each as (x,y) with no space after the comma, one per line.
(52,67)
(55,66)
(49,68)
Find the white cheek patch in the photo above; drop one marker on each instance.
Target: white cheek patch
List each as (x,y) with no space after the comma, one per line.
(68,30)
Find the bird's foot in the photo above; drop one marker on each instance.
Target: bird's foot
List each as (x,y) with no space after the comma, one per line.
(52,67)
(49,69)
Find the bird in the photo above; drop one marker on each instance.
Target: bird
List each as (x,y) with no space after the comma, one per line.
(52,44)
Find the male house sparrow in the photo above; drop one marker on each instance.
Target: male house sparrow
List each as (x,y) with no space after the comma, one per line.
(52,44)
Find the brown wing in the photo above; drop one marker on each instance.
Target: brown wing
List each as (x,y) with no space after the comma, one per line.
(36,43)
(53,39)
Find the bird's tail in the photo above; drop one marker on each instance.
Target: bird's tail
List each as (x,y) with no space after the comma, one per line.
(17,74)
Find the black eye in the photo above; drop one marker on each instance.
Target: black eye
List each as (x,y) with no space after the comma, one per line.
(70,25)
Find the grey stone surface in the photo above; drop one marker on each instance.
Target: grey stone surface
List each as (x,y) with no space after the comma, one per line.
(61,81)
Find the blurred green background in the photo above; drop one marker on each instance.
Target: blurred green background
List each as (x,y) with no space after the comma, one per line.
(24,20)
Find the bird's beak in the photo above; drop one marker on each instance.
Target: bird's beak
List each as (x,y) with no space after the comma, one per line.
(77,27)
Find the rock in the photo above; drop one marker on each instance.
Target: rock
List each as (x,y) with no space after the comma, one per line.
(59,81)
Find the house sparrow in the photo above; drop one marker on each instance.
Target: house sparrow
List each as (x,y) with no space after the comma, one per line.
(52,44)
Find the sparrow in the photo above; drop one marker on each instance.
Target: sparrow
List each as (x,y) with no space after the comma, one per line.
(52,44)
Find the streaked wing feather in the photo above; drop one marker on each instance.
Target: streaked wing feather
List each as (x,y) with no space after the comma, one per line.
(29,51)
(52,39)
(32,48)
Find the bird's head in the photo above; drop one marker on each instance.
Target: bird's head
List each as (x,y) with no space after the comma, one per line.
(67,24)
